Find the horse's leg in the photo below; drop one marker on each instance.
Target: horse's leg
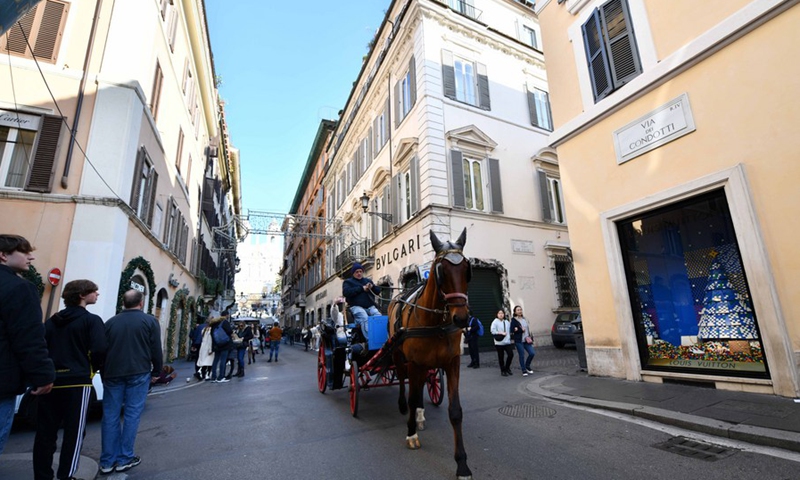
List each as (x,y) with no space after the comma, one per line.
(400,369)
(416,379)
(453,373)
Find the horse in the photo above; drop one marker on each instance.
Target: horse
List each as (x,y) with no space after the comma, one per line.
(429,323)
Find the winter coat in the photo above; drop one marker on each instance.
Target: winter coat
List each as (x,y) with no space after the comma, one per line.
(134,345)
(205,354)
(77,343)
(353,291)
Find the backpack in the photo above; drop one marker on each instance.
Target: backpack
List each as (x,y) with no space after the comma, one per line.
(480,326)
(220,336)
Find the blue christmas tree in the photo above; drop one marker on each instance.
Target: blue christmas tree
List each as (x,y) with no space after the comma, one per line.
(726,314)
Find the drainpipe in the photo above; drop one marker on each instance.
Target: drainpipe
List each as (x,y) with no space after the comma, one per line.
(89,48)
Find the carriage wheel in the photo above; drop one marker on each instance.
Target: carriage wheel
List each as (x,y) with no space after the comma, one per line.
(435,386)
(322,369)
(387,376)
(354,388)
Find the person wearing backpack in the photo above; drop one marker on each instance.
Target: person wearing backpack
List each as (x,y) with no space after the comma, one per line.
(474,331)
(221,333)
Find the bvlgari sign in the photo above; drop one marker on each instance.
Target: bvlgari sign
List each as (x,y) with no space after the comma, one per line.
(663,125)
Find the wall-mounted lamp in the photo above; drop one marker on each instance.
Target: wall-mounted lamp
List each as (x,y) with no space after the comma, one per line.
(365,206)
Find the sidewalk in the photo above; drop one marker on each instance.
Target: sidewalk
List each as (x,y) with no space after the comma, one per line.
(754,418)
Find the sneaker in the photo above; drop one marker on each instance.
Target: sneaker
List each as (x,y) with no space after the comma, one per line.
(530,371)
(524,374)
(223,380)
(106,470)
(124,468)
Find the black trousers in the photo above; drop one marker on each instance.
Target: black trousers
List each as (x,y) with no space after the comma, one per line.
(68,406)
(473,350)
(505,351)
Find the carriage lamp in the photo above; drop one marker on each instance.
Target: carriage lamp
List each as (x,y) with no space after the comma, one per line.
(365,206)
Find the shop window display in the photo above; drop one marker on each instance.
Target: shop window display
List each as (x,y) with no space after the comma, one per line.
(691,303)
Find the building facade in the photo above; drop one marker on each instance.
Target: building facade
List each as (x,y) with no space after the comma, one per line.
(106,154)
(446,128)
(674,132)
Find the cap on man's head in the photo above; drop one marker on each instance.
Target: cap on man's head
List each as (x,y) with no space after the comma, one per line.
(276,324)
(356,266)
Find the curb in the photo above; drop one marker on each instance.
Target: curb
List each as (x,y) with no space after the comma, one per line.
(746,433)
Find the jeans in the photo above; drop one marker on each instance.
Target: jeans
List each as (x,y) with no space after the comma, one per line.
(361,315)
(220,362)
(274,346)
(6,419)
(240,358)
(523,347)
(119,431)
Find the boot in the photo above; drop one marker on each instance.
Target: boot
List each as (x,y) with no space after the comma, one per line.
(240,373)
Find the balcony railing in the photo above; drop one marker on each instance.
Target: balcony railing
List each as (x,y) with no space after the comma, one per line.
(465,8)
(356,252)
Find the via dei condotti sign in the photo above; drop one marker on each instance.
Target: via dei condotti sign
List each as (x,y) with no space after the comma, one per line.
(668,122)
(403,250)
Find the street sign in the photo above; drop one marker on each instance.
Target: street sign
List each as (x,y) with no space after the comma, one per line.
(54,276)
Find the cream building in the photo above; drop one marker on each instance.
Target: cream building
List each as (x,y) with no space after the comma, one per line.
(446,128)
(675,132)
(106,154)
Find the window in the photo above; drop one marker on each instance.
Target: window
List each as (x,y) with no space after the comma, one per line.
(350,176)
(611,51)
(465,81)
(340,189)
(172,29)
(405,93)
(43,26)
(143,190)
(406,193)
(179,153)
(380,130)
(464,7)
(164,4)
(364,154)
(551,197)
(476,183)
(25,161)
(539,108)
(155,95)
(529,36)
(566,286)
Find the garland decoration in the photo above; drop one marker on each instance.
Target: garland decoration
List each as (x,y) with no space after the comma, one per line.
(33,276)
(178,302)
(125,281)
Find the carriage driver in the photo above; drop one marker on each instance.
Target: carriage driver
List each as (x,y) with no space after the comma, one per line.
(359,290)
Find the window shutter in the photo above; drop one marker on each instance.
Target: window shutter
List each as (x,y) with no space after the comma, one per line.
(458,179)
(412,75)
(376,146)
(49,33)
(494,179)
(40,178)
(483,87)
(374,222)
(370,148)
(385,208)
(547,212)
(414,170)
(398,103)
(155,97)
(137,179)
(151,206)
(395,200)
(357,164)
(448,75)
(386,124)
(532,106)
(618,31)
(597,56)
(15,40)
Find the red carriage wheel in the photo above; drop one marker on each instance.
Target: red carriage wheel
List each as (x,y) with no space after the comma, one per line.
(387,376)
(354,388)
(435,386)
(322,369)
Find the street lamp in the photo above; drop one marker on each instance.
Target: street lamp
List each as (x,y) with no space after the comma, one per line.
(365,206)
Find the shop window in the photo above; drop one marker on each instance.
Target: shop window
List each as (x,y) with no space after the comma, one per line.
(689,294)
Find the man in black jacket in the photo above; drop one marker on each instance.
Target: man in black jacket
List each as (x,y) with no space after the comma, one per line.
(21,332)
(133,361)
(76,340)
(359,292)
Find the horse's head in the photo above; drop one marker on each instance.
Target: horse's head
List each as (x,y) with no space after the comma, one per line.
(452,272)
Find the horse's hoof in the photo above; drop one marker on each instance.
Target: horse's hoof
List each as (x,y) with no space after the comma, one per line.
(420,426)
(465,478)
(412,442)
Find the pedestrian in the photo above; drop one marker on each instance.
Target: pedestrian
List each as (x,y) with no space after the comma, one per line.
(220,330)
(275,334)
(252,348)
(205,355)
(246,335)
(23,350)
(314,334)
(76,340)
(133,362)
(501,331)
(306,333)
(474,331)
(359,292)
(523,340)
(197,340)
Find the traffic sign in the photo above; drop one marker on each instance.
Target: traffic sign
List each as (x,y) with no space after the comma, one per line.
(54,276)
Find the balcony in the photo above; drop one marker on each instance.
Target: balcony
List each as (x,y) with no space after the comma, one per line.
(356,252)
(465,7)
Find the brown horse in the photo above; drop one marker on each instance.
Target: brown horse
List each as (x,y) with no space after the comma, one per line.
(430,321)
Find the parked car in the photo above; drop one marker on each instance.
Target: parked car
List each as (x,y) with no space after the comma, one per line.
(566,325)
(26,408)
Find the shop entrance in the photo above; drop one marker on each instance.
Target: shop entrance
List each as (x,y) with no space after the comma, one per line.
(485,299)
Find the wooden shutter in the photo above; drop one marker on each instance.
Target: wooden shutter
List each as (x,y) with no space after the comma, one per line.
(43,26)
(370,148)
(412,76)
(15,38)
(456,159)
(535,118)
(483,87)
(494,182)
(414,170)
(137,179)
(155,95)
(544,195)
(179,152)
(385,208)
(618,32)
(387,125)
(398,102)
(395,200)
(532,106)
(596,56)
(448,75)
(40,177)
(152,185)
(375,131)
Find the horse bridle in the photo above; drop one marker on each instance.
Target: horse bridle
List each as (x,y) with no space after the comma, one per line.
(456,257)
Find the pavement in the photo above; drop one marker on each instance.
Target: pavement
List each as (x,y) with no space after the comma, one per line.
(753,418)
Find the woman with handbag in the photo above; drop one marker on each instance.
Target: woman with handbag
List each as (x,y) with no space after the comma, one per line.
(501,332)
(523,340)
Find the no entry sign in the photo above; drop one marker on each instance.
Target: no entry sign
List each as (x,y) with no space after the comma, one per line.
(54,276)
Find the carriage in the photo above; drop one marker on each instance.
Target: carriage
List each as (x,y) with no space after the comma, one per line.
(348,359)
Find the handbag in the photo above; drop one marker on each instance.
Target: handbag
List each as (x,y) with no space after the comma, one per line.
(499,337)
(220,336)
(528,340)
(236,340)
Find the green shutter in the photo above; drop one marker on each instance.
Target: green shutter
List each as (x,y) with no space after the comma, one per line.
(457,180)
(484,101)
(414,185)
(494,181)
(137,178)
(412,75)
(547,211)
(618,31)
(448,75)
(596,56)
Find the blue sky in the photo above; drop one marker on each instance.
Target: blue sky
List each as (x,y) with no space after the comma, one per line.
(284,67)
